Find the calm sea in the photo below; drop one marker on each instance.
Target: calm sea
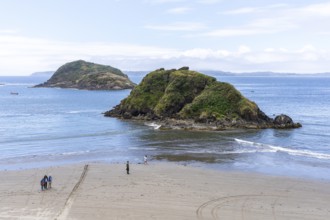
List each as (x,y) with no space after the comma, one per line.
(46,127)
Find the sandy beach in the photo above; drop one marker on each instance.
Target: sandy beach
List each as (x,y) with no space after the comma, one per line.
(159,191)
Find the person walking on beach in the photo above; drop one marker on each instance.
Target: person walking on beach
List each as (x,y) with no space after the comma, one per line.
(127,167)
(145,159)
(50,179)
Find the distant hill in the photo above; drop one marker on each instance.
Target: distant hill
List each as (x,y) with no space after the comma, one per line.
(261,74)
(90,76)
(191,100)
(323,74)
(42,74)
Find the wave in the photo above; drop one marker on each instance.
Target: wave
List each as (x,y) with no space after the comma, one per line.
(252,148)
(274,149)
(17,84)
(223,152)
(154,125)
(142,148)
(34,155)
(14,115)
(81,111)
(45,137)
(75,153)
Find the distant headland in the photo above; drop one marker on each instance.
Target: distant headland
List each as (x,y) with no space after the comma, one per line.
(184,99)
(90,76)
(42,74)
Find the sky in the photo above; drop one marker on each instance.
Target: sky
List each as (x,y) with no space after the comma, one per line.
(291,36)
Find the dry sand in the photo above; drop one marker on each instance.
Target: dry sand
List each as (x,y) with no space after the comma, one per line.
(159,191)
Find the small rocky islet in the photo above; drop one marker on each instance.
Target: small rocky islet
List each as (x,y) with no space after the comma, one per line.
(88,76)
(185,99)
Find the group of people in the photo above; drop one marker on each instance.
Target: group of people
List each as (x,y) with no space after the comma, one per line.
(145,159)
(46,182)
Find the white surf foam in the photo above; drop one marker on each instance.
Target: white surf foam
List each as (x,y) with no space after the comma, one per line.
(75,153)
(274,149)
(81,111)
(247,151)
(154,125)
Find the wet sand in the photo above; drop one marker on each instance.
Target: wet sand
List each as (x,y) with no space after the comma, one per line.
(159,191)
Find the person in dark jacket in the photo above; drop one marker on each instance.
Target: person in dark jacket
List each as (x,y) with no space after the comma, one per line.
(45,181)
(127,167)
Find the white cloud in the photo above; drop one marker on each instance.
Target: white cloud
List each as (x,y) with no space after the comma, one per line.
(246,10)
(208,1)
(307,53)
(282,18)
(307,48)
(243,31)
(181,10)
(243,49)
(22,55)
(323,33)
(162,1)
(190,1)
(201,53)
(8,31)
(178,26)
(322,9)
(244,59)
(256,27)
(249,10)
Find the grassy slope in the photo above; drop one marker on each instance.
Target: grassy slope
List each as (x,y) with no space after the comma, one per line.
(74,70)
(188,95)
(86,75)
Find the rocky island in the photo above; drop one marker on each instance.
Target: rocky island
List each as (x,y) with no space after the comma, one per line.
(184,99)
(90,76)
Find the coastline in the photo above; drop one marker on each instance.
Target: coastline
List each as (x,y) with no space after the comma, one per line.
(159,191)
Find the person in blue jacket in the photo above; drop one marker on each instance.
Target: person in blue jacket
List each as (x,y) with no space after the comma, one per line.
(42,184)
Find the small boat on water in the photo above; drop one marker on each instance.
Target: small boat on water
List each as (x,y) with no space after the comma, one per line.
(13,93)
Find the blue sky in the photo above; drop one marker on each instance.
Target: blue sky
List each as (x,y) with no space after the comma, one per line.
(228,35)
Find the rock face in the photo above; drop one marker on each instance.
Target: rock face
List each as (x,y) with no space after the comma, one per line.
(187,99)
(284,121)
(85,75)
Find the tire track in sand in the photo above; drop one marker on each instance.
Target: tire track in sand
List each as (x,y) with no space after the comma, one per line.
(215,205)
(69,201)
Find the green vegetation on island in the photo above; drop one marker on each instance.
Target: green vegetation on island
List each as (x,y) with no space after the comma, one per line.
(85,75)
(191,100)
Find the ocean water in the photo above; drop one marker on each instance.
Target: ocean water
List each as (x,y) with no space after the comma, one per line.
(47,126)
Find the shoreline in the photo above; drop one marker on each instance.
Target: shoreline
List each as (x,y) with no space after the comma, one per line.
(195,165)
(159,191)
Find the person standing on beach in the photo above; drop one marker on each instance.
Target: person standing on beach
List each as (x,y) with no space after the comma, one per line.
(127,167)
(145,159)
(50,179)
(42,183)
(45,181)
